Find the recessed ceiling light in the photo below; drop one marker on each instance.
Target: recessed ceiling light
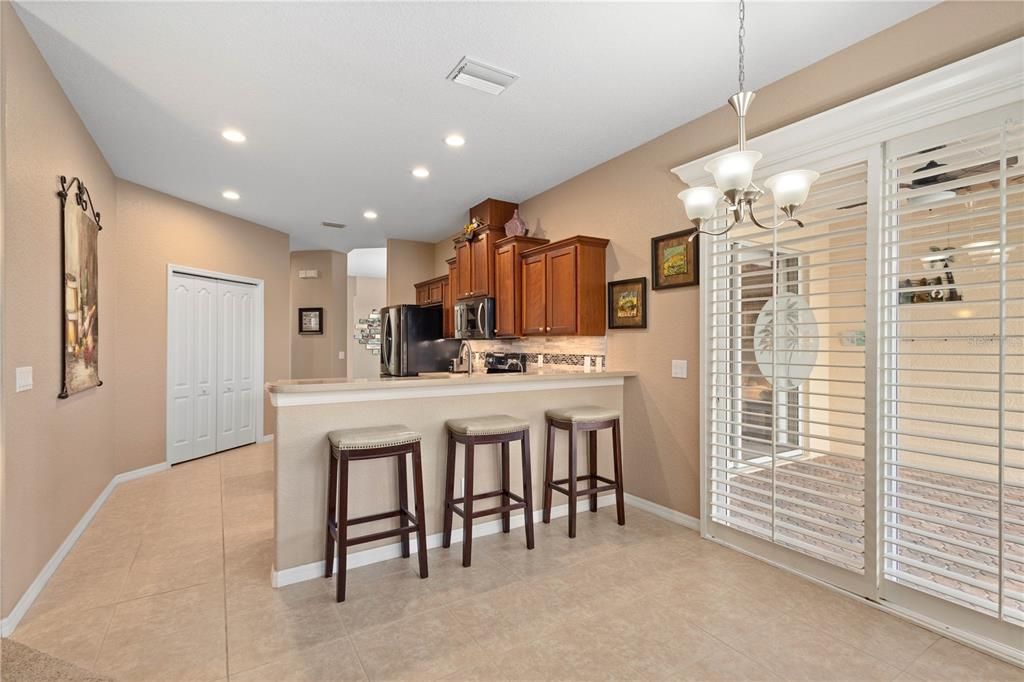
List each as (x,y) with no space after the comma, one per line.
(233,135)
(370,215)
(455,140)
(231,194)
(420,172)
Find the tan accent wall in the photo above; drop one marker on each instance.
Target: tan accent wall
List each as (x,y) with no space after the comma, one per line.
(316,355)
(408,262)
(632,198)
(159,229)
(444,250)
(58,454)
(364,295)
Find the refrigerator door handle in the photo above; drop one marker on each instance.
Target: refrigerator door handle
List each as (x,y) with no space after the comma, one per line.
(387,348)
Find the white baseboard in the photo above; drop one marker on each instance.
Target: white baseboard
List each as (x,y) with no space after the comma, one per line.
(8,624)
(311,571)
(664,512)
(266,438)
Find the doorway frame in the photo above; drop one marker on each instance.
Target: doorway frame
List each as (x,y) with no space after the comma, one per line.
(172,268)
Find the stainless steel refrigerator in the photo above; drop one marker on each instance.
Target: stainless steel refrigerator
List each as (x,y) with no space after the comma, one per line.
(412,341)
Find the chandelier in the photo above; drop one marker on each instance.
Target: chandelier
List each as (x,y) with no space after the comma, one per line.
(734,172)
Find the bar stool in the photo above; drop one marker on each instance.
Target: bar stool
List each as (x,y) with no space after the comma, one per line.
(500,429)
(584,419)
(349,445)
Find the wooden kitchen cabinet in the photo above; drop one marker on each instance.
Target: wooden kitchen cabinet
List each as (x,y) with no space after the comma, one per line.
(448,304)
(508,290)
(493,212)
(563,288)
(431,292)
(474,262)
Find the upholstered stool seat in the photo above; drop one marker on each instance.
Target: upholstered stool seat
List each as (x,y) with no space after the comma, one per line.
(372,437)
(584,413)
(487,426)
(588,419)
(499,429)
(373,442)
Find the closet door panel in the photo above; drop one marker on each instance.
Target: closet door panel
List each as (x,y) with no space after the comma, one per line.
(204,368)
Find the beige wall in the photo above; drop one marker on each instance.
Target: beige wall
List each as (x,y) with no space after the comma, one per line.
(316,355)
(159,229)
(58,454)
(443,250)
(632,198)
(408,262)
(364,294)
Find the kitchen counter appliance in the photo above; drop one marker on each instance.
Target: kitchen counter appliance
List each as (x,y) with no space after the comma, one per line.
(412,341)
(474,318)
(505,363)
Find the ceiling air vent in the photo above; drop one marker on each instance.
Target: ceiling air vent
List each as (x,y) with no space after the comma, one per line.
(338,226)
(481,76)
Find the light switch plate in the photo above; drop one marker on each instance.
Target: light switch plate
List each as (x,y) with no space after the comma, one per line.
(22,379)
(679,369)
(341,355)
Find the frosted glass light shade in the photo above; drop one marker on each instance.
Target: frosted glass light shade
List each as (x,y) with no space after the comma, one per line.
(734,170)
(700,202)
(790,188)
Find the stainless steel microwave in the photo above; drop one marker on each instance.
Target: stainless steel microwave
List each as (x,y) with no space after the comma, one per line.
(474,318)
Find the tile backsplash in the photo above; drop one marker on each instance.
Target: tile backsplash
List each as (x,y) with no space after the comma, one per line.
(562,352)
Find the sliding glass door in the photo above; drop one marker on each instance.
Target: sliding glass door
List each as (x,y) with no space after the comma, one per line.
(787,387)
(953,374)
(864,378)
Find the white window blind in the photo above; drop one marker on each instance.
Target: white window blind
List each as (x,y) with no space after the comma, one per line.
(786,375)
(952,353)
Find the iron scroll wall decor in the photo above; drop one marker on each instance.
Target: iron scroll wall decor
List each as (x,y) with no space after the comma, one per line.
(79,283)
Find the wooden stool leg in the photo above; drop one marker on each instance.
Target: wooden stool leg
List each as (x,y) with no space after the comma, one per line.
(421,520)
(572,484)
(592,469)
(467,509)
(403,499)
(506,517)
(524,445)
(332,511)
(549,470)
(342,524)
(620,504)
(449,493)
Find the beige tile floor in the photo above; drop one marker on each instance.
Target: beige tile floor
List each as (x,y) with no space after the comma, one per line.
(171,582)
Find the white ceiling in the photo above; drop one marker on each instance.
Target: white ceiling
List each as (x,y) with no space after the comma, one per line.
(368,262)
(340,100)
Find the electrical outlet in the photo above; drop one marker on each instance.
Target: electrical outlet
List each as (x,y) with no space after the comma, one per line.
(679,369)
(341,355)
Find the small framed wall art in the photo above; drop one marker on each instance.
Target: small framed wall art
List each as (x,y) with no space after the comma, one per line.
(674,260)
(627,304)
(311,320)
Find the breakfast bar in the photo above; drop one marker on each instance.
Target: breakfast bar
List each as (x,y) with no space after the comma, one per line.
(307,410)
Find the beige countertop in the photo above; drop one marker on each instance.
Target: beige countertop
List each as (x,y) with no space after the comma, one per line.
(433,379)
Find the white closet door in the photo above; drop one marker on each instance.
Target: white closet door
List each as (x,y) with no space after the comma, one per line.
(192,411)
(235,386)
(204,439)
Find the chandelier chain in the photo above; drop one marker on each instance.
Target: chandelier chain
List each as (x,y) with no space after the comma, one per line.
(742,34)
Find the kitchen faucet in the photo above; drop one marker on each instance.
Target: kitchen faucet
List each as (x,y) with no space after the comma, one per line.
(464,346)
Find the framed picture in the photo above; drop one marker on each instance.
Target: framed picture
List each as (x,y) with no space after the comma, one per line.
(311,320)
(674,260)
(80,319)
(627,304)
